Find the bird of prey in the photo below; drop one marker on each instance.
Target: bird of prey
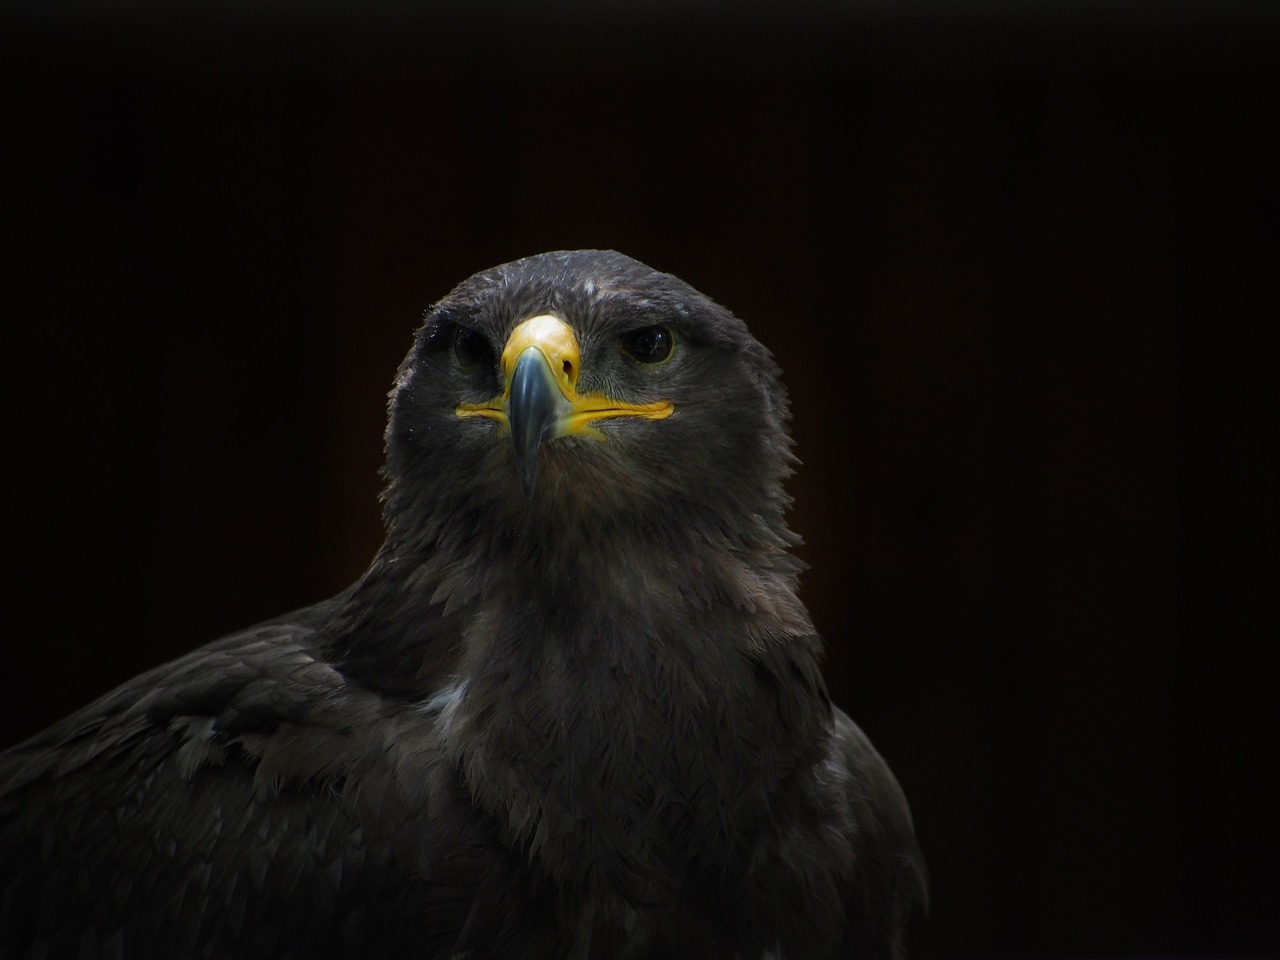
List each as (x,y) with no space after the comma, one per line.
(572,709)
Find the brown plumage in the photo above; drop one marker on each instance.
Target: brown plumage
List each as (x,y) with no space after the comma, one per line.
(573,708)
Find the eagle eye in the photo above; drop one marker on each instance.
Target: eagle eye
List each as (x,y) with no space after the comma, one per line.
(470,348)
(648,344)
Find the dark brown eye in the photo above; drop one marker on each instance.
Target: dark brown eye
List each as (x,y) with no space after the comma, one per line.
(648,344)
(470,349)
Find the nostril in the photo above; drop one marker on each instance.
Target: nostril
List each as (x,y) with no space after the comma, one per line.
(568,368)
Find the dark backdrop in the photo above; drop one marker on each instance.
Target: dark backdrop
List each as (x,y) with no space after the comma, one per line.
(1015,268)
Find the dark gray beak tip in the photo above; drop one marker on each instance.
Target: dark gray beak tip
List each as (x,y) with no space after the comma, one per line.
(532,411)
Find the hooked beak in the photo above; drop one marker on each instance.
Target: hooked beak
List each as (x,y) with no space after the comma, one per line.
(540,399)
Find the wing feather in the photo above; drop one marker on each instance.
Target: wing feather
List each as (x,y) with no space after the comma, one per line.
(200,810)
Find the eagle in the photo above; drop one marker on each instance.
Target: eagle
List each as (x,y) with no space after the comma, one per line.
(573,708)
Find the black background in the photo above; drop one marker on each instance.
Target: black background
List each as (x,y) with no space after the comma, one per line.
(1015,265)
